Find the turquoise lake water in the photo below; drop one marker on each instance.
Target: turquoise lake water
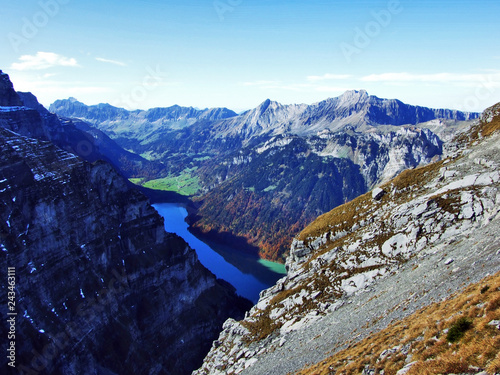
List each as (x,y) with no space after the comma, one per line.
(248,274)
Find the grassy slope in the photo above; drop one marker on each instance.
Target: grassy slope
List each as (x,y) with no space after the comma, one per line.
(185,184)
(424,335)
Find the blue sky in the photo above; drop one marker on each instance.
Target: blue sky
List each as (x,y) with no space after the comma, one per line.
(237,53)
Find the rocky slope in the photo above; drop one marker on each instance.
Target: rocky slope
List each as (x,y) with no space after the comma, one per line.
(100,286)
(410,242)
(460,334)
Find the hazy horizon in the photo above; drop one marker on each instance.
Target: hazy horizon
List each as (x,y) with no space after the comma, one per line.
(237,53)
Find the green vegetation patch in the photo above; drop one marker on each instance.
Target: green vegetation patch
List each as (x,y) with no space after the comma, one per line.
(202,158)
(148,155)
(137,181)
(184,184)
(458,329)
(270,188)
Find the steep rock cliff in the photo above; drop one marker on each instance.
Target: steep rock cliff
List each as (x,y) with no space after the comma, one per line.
(100,286)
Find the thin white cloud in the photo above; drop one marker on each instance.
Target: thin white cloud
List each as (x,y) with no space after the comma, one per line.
(429,78)
(329,76)
(331,89)
(43,60)
(114,62)
(260,83)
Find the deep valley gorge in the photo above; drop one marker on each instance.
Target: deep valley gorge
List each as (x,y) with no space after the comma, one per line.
(263,187)
(260,177)
(385,215)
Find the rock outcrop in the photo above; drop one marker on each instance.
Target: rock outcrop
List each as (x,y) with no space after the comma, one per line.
(374,260)
(100,286)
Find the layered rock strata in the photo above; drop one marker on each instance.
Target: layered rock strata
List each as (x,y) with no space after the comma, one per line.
(100,287)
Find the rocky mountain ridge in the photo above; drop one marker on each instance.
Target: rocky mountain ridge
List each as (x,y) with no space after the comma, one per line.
(356,109)
(354,269)
(139,124)
(100,286)
(264,175)
(24,115)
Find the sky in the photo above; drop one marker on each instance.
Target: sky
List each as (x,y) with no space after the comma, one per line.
(237,53)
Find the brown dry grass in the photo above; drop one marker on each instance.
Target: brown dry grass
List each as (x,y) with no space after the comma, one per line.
(482,129)
(423,334)
(342,218)
(485,129)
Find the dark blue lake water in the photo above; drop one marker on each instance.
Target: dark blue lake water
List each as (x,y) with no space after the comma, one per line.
(248,274)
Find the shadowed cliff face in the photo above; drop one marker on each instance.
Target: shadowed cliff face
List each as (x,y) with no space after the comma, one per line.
(8,97)
(100,286)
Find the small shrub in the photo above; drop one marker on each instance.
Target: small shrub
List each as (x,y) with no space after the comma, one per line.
(484,289)
(458,329)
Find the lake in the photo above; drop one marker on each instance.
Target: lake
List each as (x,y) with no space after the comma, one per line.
(248,274)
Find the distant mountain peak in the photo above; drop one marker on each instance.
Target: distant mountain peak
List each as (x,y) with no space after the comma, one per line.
(353,97)
(265,105)
(356,93)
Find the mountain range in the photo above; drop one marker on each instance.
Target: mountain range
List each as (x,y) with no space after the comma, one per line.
(260,177)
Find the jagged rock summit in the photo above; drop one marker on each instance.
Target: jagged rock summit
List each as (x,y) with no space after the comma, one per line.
(355,109)
(140,124)
(375,260)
